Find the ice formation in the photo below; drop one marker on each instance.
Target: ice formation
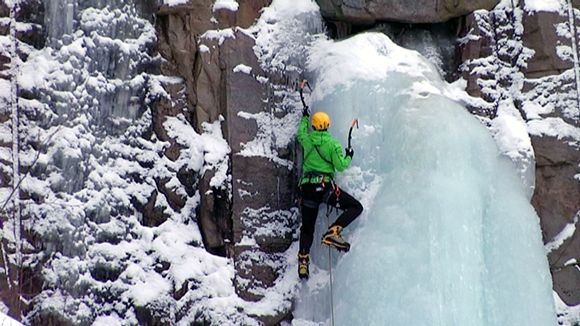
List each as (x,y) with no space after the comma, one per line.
(448,236)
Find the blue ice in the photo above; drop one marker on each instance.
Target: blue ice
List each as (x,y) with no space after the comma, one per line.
(448,236)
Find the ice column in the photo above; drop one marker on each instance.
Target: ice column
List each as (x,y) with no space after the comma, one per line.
(449,238)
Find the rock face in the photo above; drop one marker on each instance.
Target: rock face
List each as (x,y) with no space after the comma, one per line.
(28,15)
(557,201)
(368,12)
(223,78)
(531,59)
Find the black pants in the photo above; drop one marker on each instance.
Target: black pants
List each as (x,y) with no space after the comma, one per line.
(315,194)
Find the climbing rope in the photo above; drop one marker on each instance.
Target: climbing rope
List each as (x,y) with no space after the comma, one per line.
(330,270)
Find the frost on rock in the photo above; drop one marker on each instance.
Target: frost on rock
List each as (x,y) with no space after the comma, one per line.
(511,100)
(273,133)
(110,214)
(523,89)
(283,34)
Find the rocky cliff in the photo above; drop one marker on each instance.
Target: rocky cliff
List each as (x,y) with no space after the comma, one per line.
(533,61)
(535,56)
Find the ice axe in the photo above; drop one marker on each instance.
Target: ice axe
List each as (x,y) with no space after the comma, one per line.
(303,83)
(354,123)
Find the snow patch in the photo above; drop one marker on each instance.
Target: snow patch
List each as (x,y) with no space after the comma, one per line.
(534,110)
(567,315)
(566,233)
(510,133)
(230,5)
(208,150)
(554,127)
(381,54)
(172,3)
(109,320)
(243,69)
(271,136)
(542,5)
(5,320)
(219,35)
(204,48)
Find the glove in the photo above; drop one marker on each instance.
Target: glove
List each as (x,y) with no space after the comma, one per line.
(306,112)
(349,152)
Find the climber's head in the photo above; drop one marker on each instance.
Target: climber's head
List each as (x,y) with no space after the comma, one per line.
(320,121)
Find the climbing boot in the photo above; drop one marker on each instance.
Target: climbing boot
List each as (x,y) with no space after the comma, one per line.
(303,261)
(333,238)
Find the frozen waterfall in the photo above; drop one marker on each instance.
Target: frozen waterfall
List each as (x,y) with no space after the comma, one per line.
(448,236)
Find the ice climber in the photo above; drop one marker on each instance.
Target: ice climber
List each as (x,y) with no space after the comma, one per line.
(323,156)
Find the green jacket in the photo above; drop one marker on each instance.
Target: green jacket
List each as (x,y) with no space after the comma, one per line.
(331,157)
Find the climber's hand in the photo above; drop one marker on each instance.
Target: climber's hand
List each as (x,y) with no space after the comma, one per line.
(349,152)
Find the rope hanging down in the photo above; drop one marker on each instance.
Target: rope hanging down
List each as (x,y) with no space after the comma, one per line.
(330,271)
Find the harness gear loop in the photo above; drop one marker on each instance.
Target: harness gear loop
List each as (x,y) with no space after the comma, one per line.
(334,190)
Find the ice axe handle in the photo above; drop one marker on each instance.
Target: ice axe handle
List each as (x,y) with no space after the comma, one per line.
(354,123)
(302,83)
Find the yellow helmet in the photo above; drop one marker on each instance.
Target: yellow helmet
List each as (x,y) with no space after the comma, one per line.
(320,121)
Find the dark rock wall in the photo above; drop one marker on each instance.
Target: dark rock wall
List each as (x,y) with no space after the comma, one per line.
(417,11)
(205,55)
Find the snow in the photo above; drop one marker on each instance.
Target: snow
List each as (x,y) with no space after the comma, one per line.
(33,73)
(203,48)
(534,110)
(108,321)
(100,164)
(281,9)
(273,133)
(172,3)
(283,33)
(5,89)
(510,133)
(231,5)
(209,148)
(554,127)
(567,316)
(219,35)
(542,5)
(382,57)
(566,233)
(5,320)
(243,69)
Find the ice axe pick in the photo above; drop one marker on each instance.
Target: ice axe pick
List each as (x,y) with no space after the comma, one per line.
(354,123)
